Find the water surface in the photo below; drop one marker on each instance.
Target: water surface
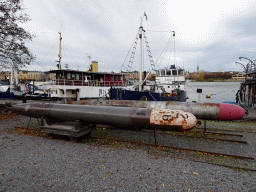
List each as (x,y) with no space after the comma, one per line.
(219,91)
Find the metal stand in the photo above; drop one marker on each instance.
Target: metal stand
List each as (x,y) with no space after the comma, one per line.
(149,139)
(155,135)
(74,130)
(28,125)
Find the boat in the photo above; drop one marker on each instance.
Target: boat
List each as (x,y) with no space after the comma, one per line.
(76,84)
(169,84)
(5,91)
(72,84)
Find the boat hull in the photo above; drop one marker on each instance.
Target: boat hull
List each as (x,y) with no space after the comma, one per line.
(121,94)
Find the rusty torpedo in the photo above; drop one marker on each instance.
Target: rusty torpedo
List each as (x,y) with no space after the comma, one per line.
(210,111)
(122,117)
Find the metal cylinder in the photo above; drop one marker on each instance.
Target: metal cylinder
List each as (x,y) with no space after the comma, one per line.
(210,111)
(123,117)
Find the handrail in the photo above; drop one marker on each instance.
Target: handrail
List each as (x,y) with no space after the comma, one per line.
(93,83)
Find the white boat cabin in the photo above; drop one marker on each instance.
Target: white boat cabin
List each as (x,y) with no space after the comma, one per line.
(170,79)
(84,84)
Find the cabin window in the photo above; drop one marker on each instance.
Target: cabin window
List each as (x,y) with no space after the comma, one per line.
(163,73)
(169,73)
(73,76)
(181,72)
(112,78)
(77,76)
(117,78)
(174,72)
(68,76)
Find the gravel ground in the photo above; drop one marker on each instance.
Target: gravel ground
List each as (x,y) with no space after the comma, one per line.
(30,163)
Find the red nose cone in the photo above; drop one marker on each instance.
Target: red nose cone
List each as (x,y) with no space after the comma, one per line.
(230,112)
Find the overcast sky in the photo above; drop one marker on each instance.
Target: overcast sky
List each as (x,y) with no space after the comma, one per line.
(213,34)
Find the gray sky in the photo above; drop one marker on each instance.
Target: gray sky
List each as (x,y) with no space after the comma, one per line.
(213,34)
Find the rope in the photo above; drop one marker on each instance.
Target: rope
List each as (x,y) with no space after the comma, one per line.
(163,51)
(135,39)
(152,96)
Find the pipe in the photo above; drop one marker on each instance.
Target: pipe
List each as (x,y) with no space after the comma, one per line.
(209,111)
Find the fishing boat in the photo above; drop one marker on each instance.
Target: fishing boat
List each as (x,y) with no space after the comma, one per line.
(169,84)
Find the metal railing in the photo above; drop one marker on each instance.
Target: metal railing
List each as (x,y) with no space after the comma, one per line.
(89,83)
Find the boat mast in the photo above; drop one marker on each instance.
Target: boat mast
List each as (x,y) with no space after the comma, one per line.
(140,36)
(60,51)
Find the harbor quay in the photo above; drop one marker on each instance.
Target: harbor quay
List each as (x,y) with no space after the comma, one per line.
(32,161)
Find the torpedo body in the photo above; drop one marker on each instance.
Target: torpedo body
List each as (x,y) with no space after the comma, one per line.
(123,117)
(210,111)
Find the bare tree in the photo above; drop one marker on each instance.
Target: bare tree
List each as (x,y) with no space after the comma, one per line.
(12,36)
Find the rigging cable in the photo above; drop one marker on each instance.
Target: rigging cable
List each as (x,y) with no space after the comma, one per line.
(167,45)
(135,40)
(150,58)
(152,64)
(170,56)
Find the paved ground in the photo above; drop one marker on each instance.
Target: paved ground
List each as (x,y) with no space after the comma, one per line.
(30,163)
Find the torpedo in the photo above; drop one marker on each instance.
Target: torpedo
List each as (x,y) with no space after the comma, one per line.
(121,117)
(208,111)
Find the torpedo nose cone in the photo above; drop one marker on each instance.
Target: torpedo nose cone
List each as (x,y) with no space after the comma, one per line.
(230,112)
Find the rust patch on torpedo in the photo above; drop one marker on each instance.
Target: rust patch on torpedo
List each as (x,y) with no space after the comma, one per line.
(172,118)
